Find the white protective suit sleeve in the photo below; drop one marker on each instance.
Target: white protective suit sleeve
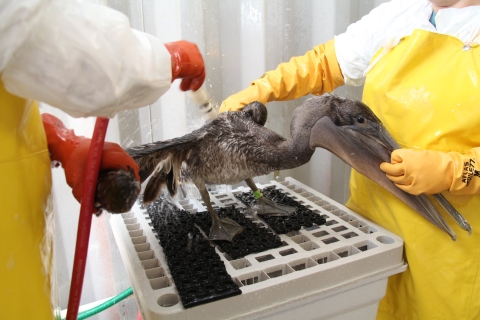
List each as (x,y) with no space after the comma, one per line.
(79,57)
(383,27)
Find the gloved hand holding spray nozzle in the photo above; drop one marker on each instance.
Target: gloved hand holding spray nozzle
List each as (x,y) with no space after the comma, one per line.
(204,103)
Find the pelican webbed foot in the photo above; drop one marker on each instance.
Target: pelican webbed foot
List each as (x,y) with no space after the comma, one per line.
(223,229)
(266,207)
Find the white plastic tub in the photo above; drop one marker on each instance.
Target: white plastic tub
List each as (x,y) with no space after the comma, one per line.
(336,271)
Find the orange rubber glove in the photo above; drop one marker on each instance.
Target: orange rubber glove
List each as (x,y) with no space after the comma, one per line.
(431,172)
(316,72)
(72,152)
(187,64)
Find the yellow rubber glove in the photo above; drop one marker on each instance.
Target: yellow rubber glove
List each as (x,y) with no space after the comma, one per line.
(316,72)
(430,172)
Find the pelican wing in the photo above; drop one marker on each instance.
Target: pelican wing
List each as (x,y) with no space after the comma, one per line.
(163,160)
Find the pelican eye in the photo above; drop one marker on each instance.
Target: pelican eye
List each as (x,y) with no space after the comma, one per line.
(360,119)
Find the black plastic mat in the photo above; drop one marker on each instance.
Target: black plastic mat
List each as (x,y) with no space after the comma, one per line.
(303,217)
(197,270)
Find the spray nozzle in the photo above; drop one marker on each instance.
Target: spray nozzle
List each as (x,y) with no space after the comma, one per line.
(201,99)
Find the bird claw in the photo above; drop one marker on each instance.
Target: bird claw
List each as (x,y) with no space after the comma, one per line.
(267,207)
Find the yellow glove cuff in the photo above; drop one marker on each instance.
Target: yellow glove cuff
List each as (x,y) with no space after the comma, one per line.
(430,172)
(316,72)
(466,173)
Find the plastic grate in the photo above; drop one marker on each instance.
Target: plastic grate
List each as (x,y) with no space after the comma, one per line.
(348,258)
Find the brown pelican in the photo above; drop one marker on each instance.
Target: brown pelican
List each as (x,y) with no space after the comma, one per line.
(237,147)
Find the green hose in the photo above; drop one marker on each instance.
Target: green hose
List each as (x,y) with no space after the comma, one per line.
(107,304)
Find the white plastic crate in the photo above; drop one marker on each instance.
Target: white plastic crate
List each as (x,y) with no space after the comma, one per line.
(336,271)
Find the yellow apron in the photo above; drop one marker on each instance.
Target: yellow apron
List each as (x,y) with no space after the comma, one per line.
(426,91)
(25,182)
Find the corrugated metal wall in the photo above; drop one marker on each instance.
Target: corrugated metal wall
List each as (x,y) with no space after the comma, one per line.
(239,40)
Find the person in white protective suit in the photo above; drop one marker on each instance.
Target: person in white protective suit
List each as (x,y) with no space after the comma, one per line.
(420,63)
(87,61)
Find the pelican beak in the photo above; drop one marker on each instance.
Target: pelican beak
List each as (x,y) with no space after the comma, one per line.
(364,148)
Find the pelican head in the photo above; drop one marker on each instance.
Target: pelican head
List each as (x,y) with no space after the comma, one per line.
(351,131)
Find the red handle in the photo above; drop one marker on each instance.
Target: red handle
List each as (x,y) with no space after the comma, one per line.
(85,219)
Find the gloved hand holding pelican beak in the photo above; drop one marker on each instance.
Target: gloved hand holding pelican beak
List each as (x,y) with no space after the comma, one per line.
(431,172)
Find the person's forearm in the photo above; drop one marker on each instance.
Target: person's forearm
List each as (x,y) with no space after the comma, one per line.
(316,72)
